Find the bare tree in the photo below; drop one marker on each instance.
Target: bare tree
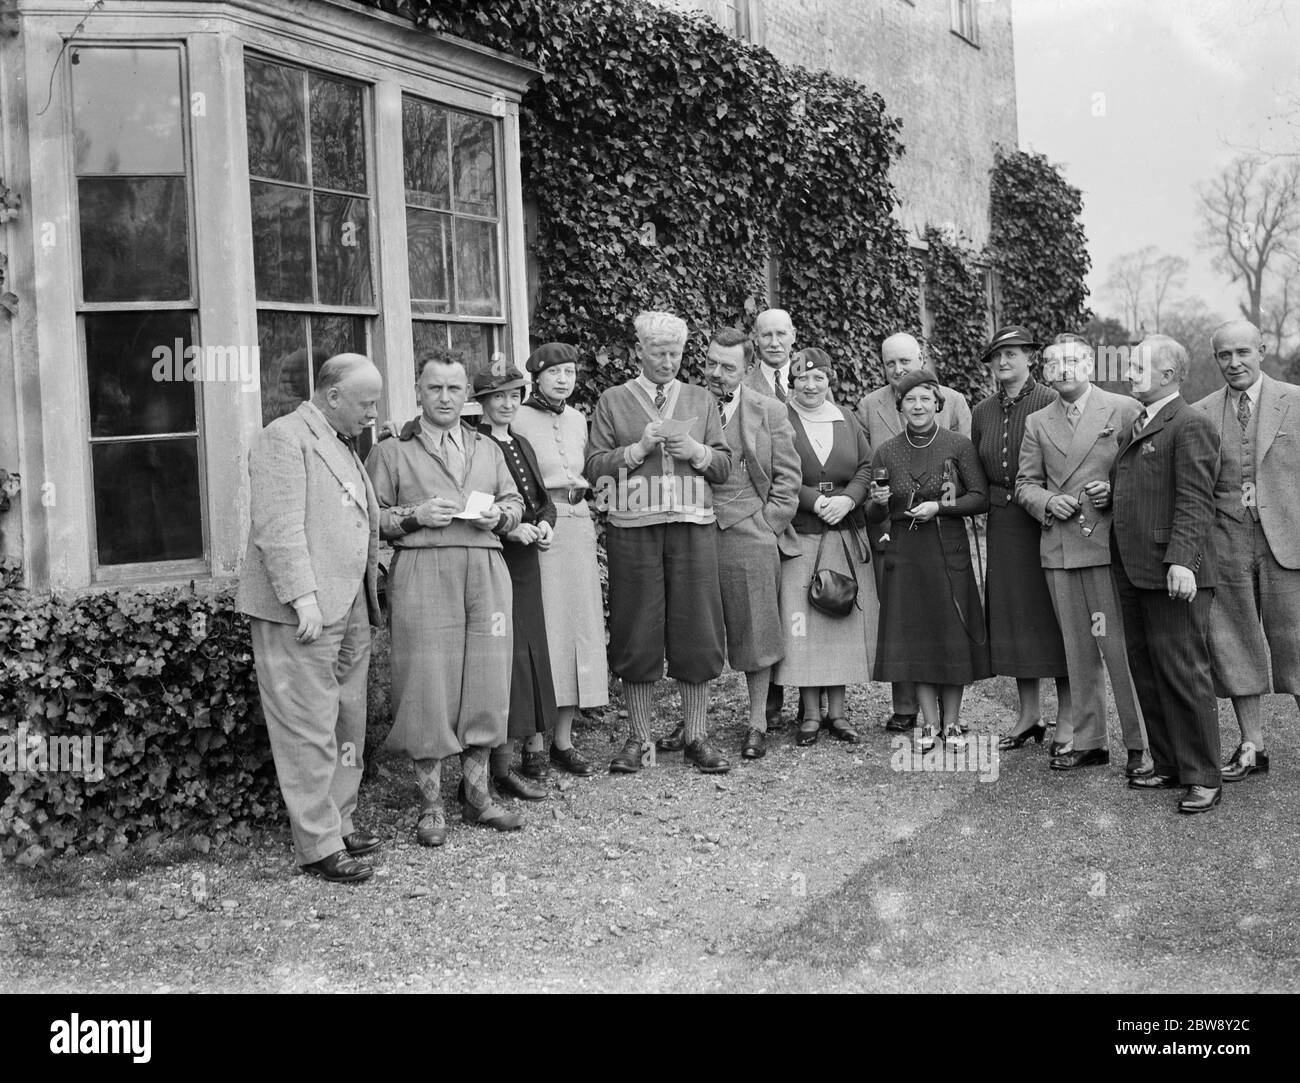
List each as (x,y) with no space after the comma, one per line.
(1250,222)
(1168,272)
(1141,282)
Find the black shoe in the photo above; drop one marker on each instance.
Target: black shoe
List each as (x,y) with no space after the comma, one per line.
(571,760)
(1200,799)
(1059,748)
(361,842)
(493,816)
(900,723)
(1136,766)
(705,755)
(535,765)
(338,868)
(1016,740)
(1072,761)
(841,730)
(755,746)
(675,741)
(627,761)
(809,729)
(431,828)
(1245,763)
(514,784)
(1153,782)
(775,694)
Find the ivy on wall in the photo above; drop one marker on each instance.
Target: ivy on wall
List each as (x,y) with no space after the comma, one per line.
(668,161)
(957,302)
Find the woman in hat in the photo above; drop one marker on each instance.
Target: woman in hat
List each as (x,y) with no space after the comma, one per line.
(532,693)
(931,622)
(1024,636)
(824,653)
(575,614)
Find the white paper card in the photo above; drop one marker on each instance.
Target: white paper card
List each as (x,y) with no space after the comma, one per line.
(475,506)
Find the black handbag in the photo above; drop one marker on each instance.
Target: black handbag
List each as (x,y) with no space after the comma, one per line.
(833,593)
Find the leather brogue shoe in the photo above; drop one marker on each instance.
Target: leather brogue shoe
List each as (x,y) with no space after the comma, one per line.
(431,828)
(900,723)
(1139,763)
(755,745)
(493,816)
(361,842)
(514,784)
(675,741)
(338,868)
(1247,760)
(534,765)
(1200,799)
(1072,761)
(627,761)
(705,755)
(571,760)
(1153,782)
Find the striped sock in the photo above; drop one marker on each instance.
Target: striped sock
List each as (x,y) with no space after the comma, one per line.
(474,772)
(640,707)
(695,709)
(757,685)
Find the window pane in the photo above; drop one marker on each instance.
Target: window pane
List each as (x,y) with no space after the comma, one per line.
(477,291)
(135,364)
(281,243)
(427,335)
(424,154)
(338,148)
(428,250)
(342,251)
(475,342)
(332,335)
(134,238)
(273,104)
(126,111)
(282,351)
(147,501)
(473,154)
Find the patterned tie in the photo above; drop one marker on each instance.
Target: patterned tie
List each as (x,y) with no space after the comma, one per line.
(1139,425)
(1072,415)
(660,398)
(1243,409)
(780,386)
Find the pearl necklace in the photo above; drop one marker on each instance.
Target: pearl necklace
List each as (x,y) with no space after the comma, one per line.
(908,434)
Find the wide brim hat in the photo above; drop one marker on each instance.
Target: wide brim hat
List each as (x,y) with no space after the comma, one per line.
(811,358)
(1010,335)
(916,379)
(489,383)
(549,354)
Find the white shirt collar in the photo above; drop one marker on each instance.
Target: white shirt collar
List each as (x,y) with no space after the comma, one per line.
(1154,408)
(651,388)
(769,374)
(1252,391)
(1080,402)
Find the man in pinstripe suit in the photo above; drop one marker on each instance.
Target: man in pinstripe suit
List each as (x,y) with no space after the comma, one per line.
(1162,549)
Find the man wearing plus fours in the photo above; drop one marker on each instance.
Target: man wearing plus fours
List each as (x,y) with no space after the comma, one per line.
(308,583)
(1162,550)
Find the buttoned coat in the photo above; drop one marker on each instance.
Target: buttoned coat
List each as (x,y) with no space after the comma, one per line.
(769,455)
(1277,462)
(755,380)
(1057,458)
(314,522)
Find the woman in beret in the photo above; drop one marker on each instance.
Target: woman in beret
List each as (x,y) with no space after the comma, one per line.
(824,653)
(532,693)
(931,622)
(1024,636)
(575,613)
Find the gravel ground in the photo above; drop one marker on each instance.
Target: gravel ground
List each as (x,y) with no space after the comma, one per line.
(811,870)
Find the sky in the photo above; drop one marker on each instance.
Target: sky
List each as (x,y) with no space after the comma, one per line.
(1139,101)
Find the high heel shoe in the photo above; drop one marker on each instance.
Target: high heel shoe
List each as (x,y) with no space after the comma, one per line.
(1015,740)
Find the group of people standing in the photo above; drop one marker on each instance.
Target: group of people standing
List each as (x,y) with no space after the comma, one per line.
(725,503)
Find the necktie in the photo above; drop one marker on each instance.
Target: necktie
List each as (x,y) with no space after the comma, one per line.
(348,443)
(780,386)
(1243,409)
(1072,414)
(452,457)
(723,402)
(660,398)
(1139,425)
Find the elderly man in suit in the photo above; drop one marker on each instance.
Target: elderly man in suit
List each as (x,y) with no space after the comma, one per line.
(878,413)
(773,340)
(755,506)
(1162,555)
(1065,462)
(308,583)
(1256,611)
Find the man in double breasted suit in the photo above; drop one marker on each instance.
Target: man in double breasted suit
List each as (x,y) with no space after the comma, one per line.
(1065,462)
(309,584)
(1256,613)
(1162,553)
(755,506)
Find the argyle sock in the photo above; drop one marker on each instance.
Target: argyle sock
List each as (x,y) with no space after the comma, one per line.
(428,776)
(474,773)
(640,707)
(695,710)
(757,684)
(501,758)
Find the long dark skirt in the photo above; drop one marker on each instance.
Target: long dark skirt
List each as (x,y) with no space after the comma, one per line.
(1024,636)
(930,613)
(532,691)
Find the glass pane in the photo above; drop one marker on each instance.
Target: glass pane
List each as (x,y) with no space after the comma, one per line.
(147,501)
(427,335)
(135,365)
(126,111)
(282,352)
(273,105)
(342,251)
(338,147)
(475,341)
(424,154)
(332,335)
(428,248)
(473,156)
(134,238)
(478,293)
(281,243)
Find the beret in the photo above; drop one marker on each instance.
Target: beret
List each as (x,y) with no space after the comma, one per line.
(811,358)
(916,379)
(552,353)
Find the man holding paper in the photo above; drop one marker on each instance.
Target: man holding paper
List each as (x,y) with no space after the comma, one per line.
(446,497)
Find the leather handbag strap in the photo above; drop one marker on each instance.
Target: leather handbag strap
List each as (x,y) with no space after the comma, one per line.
(817,563)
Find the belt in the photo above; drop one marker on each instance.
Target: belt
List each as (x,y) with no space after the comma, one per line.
(569,496)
